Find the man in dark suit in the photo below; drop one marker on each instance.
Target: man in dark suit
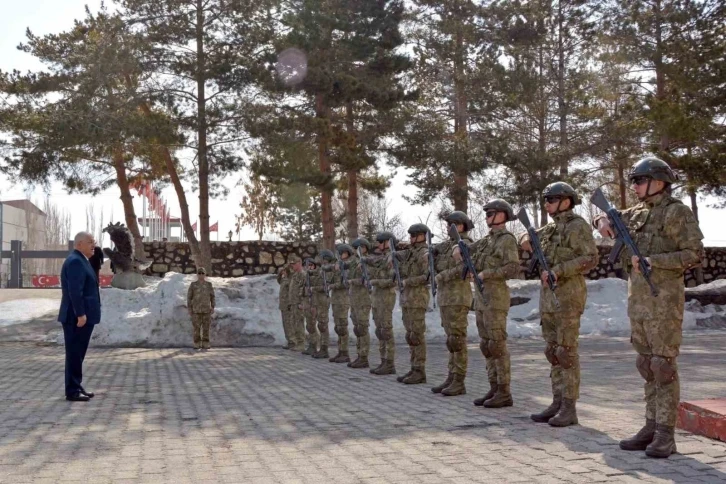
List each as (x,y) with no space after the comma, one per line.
(80,311)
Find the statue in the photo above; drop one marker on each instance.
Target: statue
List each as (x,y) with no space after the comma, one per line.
(127,268)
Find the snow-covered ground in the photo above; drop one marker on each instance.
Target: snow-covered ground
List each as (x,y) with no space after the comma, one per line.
(247,314)
(21,311)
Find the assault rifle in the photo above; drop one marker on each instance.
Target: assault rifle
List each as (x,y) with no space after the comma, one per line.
(623,238)
(326,288)
(308,287)
(538,257)
(466,258)
(432,268)
(396,271)
(343,270)
(364,270)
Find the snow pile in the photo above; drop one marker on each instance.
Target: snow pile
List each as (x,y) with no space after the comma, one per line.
(21,311)
(247,313)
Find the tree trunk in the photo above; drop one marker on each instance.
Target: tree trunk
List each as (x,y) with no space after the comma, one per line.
(326,197)
(622,185)
(460,190)
(561,102)
(127,200)
(205,247)
(352,213)
(660,75)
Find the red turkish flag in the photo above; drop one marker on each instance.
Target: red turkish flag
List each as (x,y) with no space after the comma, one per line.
(194,227)
(215,227)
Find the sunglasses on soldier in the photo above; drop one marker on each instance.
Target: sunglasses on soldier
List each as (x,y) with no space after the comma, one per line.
(552,198)
(491,213)
(639,180)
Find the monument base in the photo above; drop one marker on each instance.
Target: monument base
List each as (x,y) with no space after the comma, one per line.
(128,280)
(704,417)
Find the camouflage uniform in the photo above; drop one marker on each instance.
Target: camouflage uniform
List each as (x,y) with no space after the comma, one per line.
(341,304)
(496,257)
(200,301)
(414,302)
(570,250)
(283,279)
(383,301)
(666,231)
(360,311)
(454,298)
(310,305)
(297,318)
(321,302)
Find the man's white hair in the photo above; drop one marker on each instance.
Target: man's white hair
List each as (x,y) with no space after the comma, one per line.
(82,236)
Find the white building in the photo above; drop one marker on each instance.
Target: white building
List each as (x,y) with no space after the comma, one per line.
(20,220)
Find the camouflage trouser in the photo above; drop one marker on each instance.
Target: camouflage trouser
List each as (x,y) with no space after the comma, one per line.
(340,317)
(658,344)
(360,315)
(383,319)
(414,320)
(492,327)
(454,320)
(323,319)
(286,325)
(561,331)
(200,328)
(313,337)
(297,327)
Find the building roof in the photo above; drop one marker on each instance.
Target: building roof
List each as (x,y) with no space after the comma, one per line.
(25,205)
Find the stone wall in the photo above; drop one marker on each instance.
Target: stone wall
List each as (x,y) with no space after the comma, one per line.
(713,266)
(229,259)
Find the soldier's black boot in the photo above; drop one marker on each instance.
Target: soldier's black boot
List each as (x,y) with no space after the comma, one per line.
(374,370)
(400,378)
(566,416)
(333,358)
(550,411)
(360,362)
(640,440)
(386,368)
(502,398)
(341,357)
(664,442)
(492,390)
(323,353)
(447,382)
(354,362)
(417,376)
(309,350)
(457,387)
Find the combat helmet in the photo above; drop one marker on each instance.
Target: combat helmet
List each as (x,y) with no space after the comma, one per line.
(654,168)
(384,236)
(501,206)
(344,248)
(361,241)
(310,260)
(561,189)
(459,217)
(417,229)
(326,255)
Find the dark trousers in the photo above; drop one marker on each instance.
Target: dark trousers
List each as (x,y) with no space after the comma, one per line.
(76,340)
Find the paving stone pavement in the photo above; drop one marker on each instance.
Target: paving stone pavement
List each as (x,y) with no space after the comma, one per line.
(266,415)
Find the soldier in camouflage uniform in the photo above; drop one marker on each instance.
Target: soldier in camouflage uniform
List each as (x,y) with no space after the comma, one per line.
(668,236)
(321,301)
(497,258)
(283,279)
(384,300)
(570,250)
(200,303)
(454,298)
(341,303)
(295,298)
(415,301)
(313,336)
(360,304)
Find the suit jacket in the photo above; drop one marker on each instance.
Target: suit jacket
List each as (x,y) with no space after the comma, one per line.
(81,296)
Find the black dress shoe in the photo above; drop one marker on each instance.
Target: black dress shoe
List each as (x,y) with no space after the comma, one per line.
(78,397)
(88,394)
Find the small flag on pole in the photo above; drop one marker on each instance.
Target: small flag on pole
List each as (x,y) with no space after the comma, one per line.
(215,227)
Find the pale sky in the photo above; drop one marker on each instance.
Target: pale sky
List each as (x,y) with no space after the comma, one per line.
(46,16)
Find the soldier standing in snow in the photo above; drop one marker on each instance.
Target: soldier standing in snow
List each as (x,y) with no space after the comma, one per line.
(200,302)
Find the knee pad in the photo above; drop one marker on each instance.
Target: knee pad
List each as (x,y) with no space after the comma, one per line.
(378,333)
(386,334)
(642,363)
(484,347)
(663,369)
(549,352)
(359,330)
(564,358)
(415,339)
(455,343)
(337,330)
(408,338)
(497,348)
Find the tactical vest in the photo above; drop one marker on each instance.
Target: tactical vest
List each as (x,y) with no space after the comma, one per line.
(484,260)
(647,228)
(552,237)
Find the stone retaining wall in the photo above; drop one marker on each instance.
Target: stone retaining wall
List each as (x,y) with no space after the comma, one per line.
(234,259)
(229,259)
